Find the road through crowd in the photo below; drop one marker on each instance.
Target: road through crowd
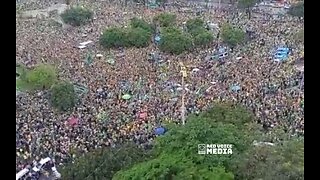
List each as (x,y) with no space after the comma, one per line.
(270,89)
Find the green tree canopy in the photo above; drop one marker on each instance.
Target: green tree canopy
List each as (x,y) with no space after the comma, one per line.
(232,35)
(297,9)
(172,167)
(194,25)
(222,124)
(140,23)
(284,161)
(77,16)
(165,19)
(114,37)
(175,41)
(170,30)
(104,163)
(63,96)
(176,152)
(138,37)
(21,71)
(246,4)
(299,36)
(43,76)
(203,38)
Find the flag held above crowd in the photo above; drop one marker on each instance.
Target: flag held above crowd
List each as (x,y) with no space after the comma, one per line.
(73,121)
(126,96)
(281,54)
(160,131)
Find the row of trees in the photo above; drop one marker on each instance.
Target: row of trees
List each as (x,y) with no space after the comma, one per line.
(137,35)
(296,10)
(232,35)
(174,155)
(104,163)
(201,35)
(79,15)
(44,77)
(196,34)
(173,40)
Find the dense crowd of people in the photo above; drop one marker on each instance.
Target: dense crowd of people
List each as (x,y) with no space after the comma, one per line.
(270,89)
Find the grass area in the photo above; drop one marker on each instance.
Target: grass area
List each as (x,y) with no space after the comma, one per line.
(20,69)
(21,85)
(43,76)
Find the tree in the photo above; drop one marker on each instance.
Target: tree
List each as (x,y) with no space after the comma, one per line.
(77,16)
(228,113)
(176,152)
(232,35)
(299,36)
(283,161)
(42,76)
(222,124)
(21,82)
(105,162)
(138,37)
(114,37)
(21,71)
(139,23)
(172,167)
(165,19)
(247,5)
(174,155)
(63,96)
(218,173)
(135,36)
(170,30)
(174,41)
(194,25)
(203,38)
(297,9)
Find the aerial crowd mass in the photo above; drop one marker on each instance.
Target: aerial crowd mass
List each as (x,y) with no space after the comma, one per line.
(249,75)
